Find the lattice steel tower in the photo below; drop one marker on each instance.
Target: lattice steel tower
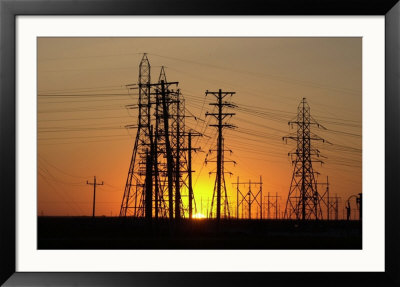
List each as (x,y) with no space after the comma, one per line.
(158,171)
(304,201)
(220,185)
(133,199)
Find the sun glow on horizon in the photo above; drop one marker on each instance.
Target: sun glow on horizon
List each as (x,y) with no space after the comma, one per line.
(199,216)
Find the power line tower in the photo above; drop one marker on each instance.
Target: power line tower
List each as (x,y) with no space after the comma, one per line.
(331,202)
(220,185)
(170,136)
(272,204)
(178,140)
(163,199)
(164,100)
(172,139)
(133,198)
(158,172)
(249,198)
(303,199)
(156,147)
(333,209)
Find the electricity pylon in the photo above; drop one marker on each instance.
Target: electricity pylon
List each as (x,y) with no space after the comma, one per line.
(220,172)
(164,100)
(158,171)
(133,198)
(171,151)
(304,201)
(143,180)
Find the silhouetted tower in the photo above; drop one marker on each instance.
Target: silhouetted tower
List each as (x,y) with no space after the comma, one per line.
(220,173)
(333,207)
(190,148)
(156,176)
(272,204)
(164,96)
(249,198)
(171,151)
(178,143)
(149,185)
(169,128)
(133,198)
(331,202)
(190,175)
(161,172)
(303,199)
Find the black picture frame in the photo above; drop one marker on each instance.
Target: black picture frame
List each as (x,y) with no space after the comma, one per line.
(10,9)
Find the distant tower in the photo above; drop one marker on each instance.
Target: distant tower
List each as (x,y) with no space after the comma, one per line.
(133,199)
(304,201)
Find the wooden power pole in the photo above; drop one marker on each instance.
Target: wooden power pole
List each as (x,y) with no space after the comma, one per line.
(94,183)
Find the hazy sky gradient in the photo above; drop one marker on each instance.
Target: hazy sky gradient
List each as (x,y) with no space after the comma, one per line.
(79,137)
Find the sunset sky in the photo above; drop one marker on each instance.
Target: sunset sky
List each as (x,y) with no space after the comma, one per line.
(82,114)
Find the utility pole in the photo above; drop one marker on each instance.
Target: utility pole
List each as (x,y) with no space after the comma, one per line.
(190,171)
(220,116)
(149,186)
(155,163)
(178,165)
(170,129)
(261,199)
(163,157)
(168,151)
(190,176)
(94,183)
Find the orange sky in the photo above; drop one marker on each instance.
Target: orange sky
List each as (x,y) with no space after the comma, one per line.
(83,135)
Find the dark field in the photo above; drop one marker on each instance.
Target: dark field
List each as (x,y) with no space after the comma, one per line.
(128,233)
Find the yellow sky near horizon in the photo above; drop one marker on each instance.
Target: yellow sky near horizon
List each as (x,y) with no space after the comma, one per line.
(81,132)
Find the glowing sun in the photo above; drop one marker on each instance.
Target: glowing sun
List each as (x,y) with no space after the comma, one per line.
(199,216)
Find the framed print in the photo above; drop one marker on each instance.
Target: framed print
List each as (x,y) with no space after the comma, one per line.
(173,143)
